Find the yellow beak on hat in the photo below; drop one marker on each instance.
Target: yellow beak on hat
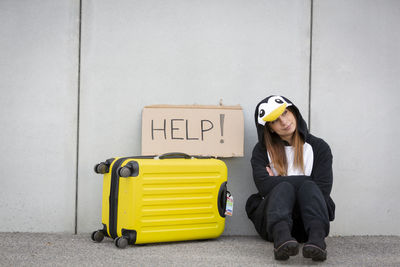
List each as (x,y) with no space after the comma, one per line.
(273,115)
(271,109)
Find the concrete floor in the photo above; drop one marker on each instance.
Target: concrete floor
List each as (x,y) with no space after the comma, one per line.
(40,249)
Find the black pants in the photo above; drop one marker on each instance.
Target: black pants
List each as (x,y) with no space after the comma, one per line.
(301,208)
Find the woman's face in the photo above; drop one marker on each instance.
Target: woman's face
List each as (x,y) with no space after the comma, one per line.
(285,125)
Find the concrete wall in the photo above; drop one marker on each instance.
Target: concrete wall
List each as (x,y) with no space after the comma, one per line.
(38,118)
(182,52)
(137,53)
(355,106)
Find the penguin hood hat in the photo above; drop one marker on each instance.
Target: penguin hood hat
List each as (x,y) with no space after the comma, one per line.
(270,108)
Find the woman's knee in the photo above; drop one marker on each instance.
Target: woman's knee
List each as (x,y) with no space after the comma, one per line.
(309,189)
(282,192)
(308,185)
(284,187)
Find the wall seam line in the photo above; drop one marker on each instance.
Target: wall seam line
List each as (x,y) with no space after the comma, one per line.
(310,64)
(78,116)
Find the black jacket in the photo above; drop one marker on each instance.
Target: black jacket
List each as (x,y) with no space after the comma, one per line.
(321,172)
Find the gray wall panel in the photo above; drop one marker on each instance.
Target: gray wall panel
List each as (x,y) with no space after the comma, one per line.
(355,91)
(38,66)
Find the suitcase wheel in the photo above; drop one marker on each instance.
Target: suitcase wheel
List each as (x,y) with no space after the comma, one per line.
(124,171)
(131,169)
(121,242)
(101,168)
(97,236)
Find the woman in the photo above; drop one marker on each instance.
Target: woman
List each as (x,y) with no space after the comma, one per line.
(292,171)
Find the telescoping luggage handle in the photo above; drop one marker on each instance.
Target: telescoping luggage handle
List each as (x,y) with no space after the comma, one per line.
(174,155)
(180,155)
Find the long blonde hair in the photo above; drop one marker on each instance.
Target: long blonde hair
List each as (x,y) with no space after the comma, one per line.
(276,148)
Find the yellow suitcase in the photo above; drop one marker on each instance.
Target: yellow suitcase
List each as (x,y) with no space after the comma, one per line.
(173,197)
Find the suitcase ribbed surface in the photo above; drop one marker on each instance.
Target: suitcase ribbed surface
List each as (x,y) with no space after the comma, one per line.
(171,200)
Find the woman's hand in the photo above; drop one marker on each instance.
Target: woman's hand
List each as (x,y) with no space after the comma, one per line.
(270,172)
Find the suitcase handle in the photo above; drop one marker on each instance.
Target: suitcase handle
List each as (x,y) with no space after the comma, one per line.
(175,155)
(222,199)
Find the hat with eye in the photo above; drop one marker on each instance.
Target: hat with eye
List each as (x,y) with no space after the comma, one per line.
(271,108)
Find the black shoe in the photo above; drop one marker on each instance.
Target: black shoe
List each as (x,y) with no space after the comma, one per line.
(314,252)
(287,249)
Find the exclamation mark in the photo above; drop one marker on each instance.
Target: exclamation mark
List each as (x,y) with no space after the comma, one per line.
(221,122)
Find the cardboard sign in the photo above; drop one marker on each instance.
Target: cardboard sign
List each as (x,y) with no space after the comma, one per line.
(195,130)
